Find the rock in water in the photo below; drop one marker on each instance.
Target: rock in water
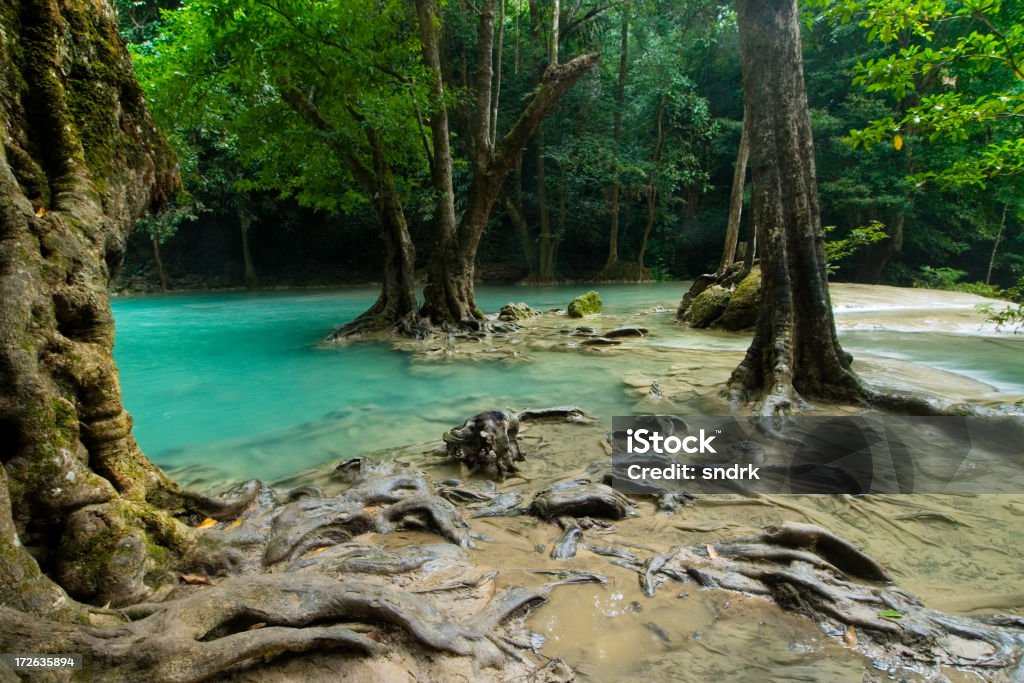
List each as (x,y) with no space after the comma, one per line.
(741,312)
(600,341)
(708,306)
(516,311)
(626,332)
(585,304)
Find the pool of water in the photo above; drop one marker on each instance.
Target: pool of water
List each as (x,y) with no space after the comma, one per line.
(238,383)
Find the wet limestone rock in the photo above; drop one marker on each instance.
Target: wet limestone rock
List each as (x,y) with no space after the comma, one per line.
(585,304)
(741,313)
(708,306)
(516,311)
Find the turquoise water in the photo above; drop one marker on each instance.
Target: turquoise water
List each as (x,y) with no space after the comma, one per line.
(237,383)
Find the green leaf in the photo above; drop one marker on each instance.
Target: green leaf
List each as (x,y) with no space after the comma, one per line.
(891,614)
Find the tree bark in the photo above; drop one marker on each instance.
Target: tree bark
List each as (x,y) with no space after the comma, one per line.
(795,352)
(78,499)
(732,231)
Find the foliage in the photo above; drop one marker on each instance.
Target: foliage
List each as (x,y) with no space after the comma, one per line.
(216,71)
(857,239)
(942,277)
(1011,316)
(955,69)
(163,225)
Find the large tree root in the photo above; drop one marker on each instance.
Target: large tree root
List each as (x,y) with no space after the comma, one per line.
(813,572)
(378,501)
(488,440)
(251,619)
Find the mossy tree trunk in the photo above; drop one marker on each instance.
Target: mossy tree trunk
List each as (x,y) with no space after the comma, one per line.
(795,351)
(80,505)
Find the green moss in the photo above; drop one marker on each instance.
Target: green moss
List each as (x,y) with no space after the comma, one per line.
(708,306)
(585,304)
(742,311)
(516,311)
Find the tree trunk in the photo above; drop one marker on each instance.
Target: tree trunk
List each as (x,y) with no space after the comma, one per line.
(78,499)
(395,308)
(795,352)
(878,254)
(448,297)
(732,231)
(545,250)
(161,273)
(652,189)
(499,52)
(245,222)
(610,270)
(995,246)
(444,259)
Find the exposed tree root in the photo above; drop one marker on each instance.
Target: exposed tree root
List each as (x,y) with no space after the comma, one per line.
(380,320)
(808,570)
(486,440)
(254,618)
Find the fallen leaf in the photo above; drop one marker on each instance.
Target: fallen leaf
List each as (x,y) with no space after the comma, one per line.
(257,625)
(40,212)
(712,553)
(235,524)
(207,523)
(314,551)
(891,614)
(850,637)
(196,580)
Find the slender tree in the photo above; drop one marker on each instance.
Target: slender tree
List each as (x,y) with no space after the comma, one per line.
(449,295)
(732,231)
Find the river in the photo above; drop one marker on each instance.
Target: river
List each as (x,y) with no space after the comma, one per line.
(238,383)
(234,386)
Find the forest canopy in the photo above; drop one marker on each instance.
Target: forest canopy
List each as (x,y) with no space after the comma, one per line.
(916,110)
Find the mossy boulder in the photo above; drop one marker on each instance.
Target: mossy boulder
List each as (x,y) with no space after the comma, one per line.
(741,313)
(516,311)
(585,304)
(708,306)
